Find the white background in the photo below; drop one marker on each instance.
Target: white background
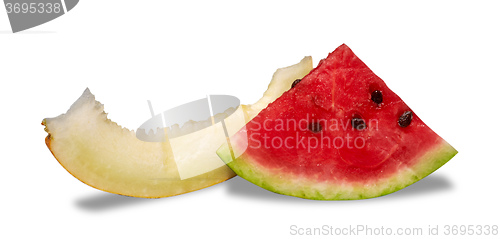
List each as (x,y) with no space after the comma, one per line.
(441,57)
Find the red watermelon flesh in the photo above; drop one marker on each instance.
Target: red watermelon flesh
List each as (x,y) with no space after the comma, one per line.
(340,133)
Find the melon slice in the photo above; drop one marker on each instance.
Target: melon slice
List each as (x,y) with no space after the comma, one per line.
(108,157)
(339,134)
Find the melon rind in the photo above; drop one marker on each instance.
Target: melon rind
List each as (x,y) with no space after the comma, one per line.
(295,185)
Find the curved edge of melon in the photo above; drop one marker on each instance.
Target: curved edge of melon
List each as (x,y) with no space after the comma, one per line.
(224,176)
(337,190)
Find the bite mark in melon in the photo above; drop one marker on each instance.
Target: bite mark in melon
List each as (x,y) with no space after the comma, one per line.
(340,133)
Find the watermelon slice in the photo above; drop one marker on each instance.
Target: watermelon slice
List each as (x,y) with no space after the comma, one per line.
(338,134)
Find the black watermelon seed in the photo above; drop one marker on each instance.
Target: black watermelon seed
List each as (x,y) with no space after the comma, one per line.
(405,119)
(295,83)
(358,123)
(377,97)
(315,127)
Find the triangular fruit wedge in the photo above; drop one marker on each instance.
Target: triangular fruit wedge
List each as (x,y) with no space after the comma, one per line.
(108,157)
(339,134)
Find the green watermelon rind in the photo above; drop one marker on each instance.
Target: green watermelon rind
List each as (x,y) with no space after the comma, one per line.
(293,185)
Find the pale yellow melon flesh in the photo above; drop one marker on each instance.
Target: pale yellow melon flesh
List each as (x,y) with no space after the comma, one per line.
(106,156)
